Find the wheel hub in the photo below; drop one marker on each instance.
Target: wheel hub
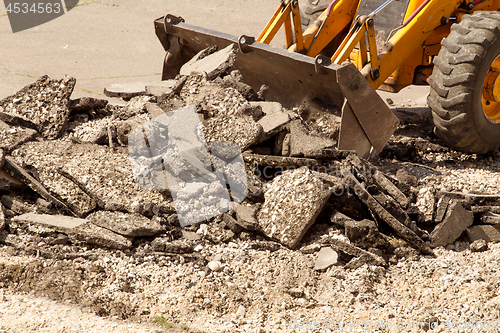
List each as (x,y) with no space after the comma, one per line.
(491,92)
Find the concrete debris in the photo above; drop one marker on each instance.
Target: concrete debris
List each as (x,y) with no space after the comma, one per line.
(93,131)
(130,225)
(456,220)
(211,100)
(104,173)
(489,233)
(293,200)
(327,257)
(154,110)
(268,108)
(211,65)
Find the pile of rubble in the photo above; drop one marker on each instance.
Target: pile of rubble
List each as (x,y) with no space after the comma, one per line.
(66,179)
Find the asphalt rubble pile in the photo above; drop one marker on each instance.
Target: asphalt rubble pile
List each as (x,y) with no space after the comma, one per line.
(66,182)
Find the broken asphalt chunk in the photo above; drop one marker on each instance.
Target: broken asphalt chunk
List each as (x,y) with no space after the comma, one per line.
(133,89)
(130,225)
(365,234)
(160,88)
(78,229)
(246,217)
(14,120)
(403,231)
(163,244)
(395,210)
(87,105)
(214,64)
(391,189)
(370,174)
(45,103)
(267,160)
(12,137)
(34,184)
(60,223)
(272,124)
(456,220)
(355,251)
(490,233)
(243,131)
(95,235)
(490,218)
(293,200)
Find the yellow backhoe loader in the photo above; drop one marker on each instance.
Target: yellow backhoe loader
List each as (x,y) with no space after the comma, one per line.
(357,46)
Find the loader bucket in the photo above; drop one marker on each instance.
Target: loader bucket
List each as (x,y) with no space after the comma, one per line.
(291,79)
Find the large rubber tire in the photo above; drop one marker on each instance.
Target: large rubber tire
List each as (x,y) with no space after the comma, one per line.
(310,10)
(456,95)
